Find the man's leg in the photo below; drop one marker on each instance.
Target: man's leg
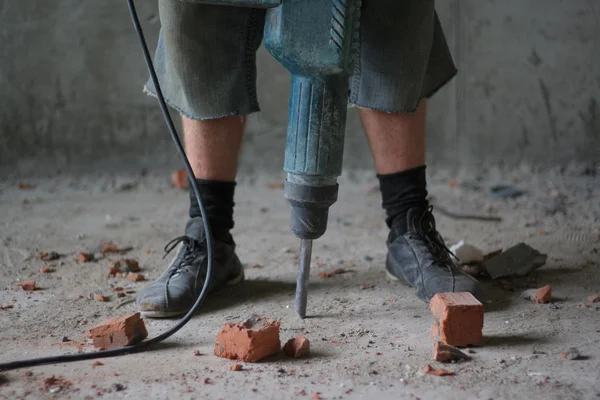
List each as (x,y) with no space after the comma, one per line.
(213,146)
(397,140)
(404,59)
(205,63)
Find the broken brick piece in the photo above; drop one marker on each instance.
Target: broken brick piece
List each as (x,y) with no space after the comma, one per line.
(237,367)
(46,269)
(458,319)
(445,353)
(108,247)
(571,354)
(126,265)
(541,295)
(179,179)
(365,287)
(297,347)
(134,277)
(437,372)
(112,272)
(330,273)
(28,285)
(85,257)
(118,332)
(48,256)
(99,297)
(97,364)
(249,341)
(594,298)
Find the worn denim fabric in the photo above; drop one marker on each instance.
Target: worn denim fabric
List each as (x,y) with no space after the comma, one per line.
(206,57)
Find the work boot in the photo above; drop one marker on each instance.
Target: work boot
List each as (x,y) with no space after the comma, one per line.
(421,259)
(177,289)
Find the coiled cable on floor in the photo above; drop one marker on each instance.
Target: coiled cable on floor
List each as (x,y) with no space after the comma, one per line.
(142,346)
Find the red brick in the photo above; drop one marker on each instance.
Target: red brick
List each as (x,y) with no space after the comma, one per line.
(250,341)
(118,332)
(541,295)
(297,347)
(46,269)
(458,319)
(28,285)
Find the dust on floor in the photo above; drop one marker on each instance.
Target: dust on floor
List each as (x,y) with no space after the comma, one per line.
(365,343)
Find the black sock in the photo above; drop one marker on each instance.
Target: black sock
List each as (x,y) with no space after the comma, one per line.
(217,197)
(400,192)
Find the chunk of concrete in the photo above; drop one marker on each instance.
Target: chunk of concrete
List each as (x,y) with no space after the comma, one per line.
(518,260)
(466,253)
(249,341)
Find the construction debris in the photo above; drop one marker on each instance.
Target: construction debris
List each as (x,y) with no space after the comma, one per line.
(135,277)
(594,298)
(571,354)
(458,319)
(179,179)
(518,260)
(437,372)
(118,332)
(541,295)
(467,253)
(446,353)
(48,256)
(97,364)
(126,265)
(297,347)
(85,257)
(332,272)
(46,269)
(237,367)
(53,384)
(7,307)
(504,192)
(99,297)
(110,247)
(28,285)
(249,341)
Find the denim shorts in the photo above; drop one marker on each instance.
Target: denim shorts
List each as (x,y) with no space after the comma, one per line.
(206,57)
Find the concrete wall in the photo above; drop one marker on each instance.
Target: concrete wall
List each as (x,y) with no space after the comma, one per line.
(71,74)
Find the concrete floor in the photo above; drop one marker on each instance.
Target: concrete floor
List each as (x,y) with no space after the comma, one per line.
(365,343)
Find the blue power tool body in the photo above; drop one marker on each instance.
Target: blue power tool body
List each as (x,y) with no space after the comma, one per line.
(317,41)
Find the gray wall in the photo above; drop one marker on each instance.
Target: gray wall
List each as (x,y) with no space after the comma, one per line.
(71,77)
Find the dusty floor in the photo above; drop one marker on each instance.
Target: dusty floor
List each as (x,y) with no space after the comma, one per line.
(365,343)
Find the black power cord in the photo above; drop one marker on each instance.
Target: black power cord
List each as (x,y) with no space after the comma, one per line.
(142,346)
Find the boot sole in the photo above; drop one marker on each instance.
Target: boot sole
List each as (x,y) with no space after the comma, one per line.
(170,314)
